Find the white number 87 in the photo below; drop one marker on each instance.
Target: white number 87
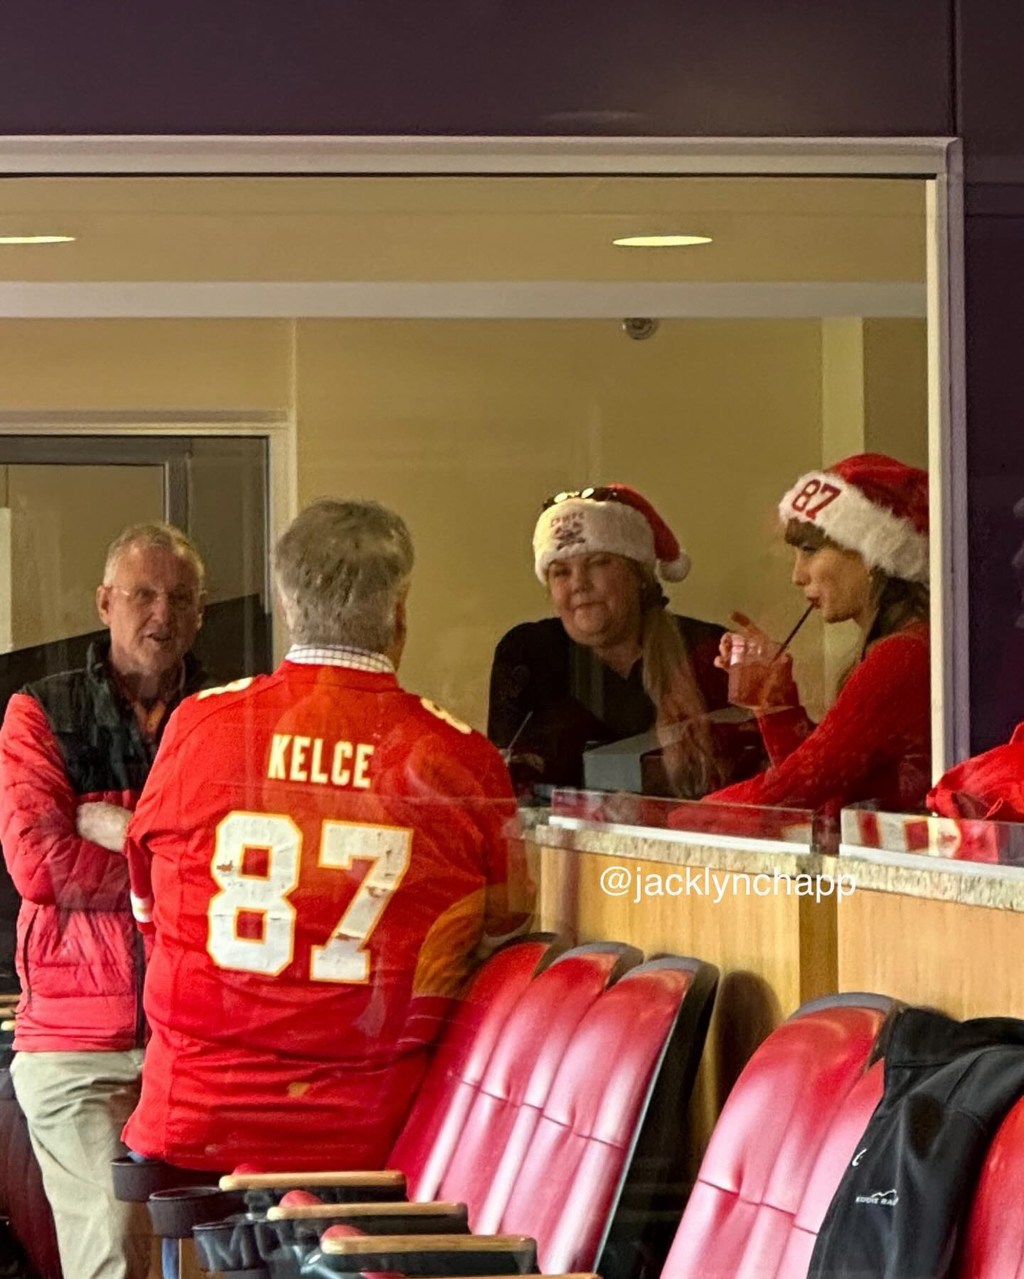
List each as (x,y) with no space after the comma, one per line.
(343,957)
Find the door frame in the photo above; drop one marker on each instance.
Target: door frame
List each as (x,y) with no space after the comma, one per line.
(278,430)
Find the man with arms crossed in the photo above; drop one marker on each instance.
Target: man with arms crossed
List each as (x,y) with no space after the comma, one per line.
(319,854)
(75,750)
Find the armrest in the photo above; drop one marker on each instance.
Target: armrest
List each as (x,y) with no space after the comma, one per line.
(298,1221)
(415,1255)
(264,1189)
(386,1180)
(434,1216)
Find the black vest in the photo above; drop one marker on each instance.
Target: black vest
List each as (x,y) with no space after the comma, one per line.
(97,733)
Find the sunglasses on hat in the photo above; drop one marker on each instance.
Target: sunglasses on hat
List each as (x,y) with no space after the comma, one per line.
(599,494)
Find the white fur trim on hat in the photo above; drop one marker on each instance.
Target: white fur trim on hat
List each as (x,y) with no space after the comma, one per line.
(581,526)
(842,512)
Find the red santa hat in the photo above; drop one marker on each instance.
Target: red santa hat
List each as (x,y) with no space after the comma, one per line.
(615,519)
(872,504)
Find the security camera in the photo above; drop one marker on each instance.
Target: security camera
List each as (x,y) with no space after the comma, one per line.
(640,328)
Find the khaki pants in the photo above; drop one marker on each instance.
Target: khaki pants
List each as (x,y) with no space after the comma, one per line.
(76,1105)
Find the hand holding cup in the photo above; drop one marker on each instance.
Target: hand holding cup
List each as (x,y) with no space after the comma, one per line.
(759,668)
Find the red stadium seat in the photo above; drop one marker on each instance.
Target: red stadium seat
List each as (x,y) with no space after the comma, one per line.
(557,1115)
(508,1035)
(434,1122)
(781,1144)
(464,1048)
(785,1136)
(436,1128)
(507,1101)
(429,1135)
(620,1094)
(993,1243)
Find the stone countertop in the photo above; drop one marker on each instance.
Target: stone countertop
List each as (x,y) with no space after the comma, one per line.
(907,874)
(680,848)
(532,816)
(937,879)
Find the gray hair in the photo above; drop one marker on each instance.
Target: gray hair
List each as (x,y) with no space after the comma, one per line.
(156,536)
(340,568)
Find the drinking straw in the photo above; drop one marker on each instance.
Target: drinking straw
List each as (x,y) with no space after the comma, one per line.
(506,754)
(785,643)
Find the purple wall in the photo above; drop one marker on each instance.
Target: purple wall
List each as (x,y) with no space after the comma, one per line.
(683,67)
(995,458)
(647,67)
(989,100)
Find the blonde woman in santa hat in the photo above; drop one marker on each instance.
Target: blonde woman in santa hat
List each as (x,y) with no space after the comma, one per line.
(859,532)
(612,662)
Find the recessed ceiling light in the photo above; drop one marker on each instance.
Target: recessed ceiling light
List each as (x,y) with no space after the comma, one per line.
(37,239)
(660,241)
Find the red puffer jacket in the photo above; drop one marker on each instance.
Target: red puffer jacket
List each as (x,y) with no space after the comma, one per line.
(66,740)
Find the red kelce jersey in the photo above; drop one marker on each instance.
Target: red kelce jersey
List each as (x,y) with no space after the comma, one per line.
(317,853)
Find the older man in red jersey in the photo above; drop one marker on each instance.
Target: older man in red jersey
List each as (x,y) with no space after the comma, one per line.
(319,854)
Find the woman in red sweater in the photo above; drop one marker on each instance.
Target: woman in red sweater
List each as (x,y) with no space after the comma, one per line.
(859,531)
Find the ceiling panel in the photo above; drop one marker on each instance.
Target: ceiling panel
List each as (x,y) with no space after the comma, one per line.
(463,229)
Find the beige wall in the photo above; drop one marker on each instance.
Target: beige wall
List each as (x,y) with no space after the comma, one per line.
(895,379)
(465,426)
(153,365)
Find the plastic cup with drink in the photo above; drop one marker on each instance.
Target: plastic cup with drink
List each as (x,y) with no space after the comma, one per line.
(752,660)
(750,668)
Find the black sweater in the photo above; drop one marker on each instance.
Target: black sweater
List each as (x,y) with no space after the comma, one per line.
(551,699)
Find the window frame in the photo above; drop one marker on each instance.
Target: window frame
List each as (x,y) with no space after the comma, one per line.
(935,160)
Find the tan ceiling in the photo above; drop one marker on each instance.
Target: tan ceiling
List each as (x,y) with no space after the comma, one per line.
(463,229)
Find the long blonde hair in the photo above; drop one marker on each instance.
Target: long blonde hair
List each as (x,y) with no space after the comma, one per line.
(688,748)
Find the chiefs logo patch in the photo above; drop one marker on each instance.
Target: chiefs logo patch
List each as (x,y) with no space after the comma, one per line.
(567,530)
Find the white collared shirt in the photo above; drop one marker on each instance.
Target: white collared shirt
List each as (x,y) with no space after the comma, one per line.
(356,659)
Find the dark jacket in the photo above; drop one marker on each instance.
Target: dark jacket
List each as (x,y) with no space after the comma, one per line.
(65,740)
(551,699)
(899,1207)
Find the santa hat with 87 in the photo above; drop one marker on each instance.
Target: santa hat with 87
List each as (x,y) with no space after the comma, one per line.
(614,519)
(872,504)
